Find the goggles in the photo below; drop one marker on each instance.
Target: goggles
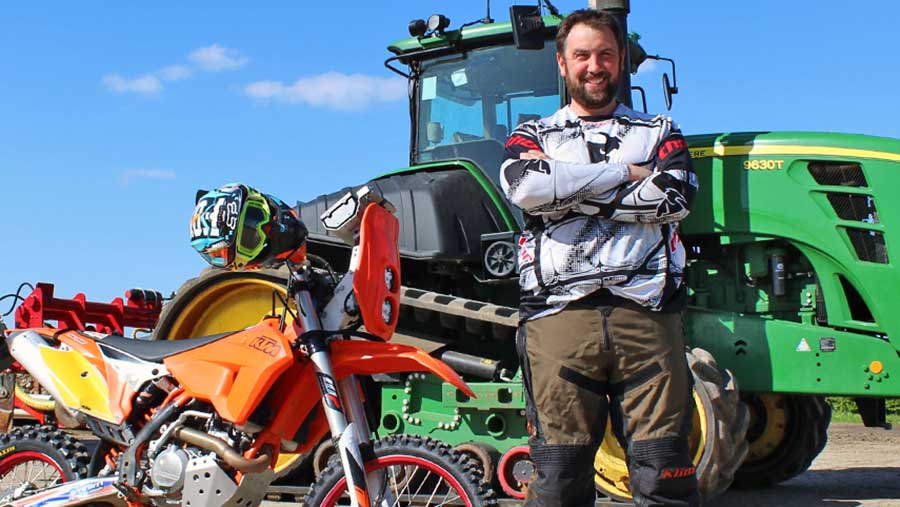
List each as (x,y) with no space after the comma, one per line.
(251,238)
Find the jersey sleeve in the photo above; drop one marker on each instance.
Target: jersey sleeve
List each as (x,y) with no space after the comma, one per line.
(550,186)
(666,195)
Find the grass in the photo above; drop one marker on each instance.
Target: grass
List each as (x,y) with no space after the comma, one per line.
(843,410)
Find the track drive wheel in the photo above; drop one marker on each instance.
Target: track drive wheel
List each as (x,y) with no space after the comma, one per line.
(786,433)
(40,457)
(717,437)
(218,301)
(417,471)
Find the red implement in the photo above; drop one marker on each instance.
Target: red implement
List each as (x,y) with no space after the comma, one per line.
(140,309)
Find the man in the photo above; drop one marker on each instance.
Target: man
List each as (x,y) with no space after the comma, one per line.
(602,188)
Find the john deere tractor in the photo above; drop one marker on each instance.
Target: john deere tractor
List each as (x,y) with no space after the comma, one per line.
(789,273)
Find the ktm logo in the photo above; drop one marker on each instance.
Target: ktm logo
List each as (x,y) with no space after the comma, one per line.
(266,345)
(670,146)
(677,473)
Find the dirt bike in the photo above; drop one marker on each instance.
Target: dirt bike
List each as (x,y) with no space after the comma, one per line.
(200,422)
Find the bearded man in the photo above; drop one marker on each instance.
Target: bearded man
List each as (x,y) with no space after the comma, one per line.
(601,266)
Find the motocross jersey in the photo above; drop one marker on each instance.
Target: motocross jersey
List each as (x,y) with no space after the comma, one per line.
(589,228)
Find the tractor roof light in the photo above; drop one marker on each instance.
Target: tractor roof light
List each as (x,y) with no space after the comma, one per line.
(417,27)
(437,23)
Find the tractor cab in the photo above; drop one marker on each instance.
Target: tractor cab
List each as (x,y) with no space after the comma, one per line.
(469,88)
(467,104)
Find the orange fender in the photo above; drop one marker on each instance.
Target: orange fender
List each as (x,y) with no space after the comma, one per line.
(296,397)
(370,358)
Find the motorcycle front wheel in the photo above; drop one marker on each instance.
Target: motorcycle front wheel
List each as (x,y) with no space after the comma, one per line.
(416,471)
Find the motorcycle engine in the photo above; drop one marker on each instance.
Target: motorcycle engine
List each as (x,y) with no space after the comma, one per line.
(168,468)
(182,474)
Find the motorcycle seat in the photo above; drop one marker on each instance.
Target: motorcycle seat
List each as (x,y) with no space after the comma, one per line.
(156,351)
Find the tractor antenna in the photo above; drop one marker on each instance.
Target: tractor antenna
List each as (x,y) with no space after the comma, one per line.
(487,18)
(552,8)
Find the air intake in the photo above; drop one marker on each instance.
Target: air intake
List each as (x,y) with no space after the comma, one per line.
(856,207)
(869,245)
(837,174)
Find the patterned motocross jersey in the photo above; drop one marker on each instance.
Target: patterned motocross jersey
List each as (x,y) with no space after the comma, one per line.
(587,226)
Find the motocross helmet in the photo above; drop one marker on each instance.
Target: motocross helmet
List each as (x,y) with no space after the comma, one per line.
(237,227)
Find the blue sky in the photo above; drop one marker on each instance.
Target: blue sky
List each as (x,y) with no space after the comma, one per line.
(112,115)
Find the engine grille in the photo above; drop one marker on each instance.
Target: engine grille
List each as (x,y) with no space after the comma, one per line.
(854,207)
(869,245)
(838,174)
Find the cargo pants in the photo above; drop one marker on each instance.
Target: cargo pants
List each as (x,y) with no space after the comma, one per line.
(625,361)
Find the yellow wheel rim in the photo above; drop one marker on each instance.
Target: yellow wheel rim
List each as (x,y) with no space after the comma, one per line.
(767,429)
(231,304)
(611,475)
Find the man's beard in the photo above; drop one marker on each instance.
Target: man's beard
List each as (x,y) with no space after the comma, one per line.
(578,91)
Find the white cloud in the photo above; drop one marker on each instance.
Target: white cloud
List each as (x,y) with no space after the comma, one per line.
(175,72)
(333,89)
(647,66)
(216,58)
(208,59)
(147,84)
(149,174)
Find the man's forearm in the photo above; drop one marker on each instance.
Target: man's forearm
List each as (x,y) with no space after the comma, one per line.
(664,197)
(545,186)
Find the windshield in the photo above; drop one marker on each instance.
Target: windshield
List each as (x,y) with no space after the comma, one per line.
(468,104)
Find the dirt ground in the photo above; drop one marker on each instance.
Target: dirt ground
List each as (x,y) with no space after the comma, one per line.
(859,467)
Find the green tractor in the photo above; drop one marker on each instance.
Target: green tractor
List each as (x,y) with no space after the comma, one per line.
(789,269)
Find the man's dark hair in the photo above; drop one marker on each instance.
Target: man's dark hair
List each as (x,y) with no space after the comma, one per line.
(592,18)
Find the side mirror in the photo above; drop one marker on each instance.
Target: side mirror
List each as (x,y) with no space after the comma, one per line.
(668,90)
(528,26)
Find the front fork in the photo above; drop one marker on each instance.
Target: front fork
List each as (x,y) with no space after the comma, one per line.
(343,409)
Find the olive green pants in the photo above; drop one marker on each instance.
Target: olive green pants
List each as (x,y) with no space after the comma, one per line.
(626,362)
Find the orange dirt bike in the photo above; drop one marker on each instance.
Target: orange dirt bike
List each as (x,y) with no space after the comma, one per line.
(201,422)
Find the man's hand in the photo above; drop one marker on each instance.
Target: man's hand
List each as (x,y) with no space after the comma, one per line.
(636,172)
(534,155)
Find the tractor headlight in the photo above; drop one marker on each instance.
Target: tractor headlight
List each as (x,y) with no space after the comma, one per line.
(437,23)
(417,27)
